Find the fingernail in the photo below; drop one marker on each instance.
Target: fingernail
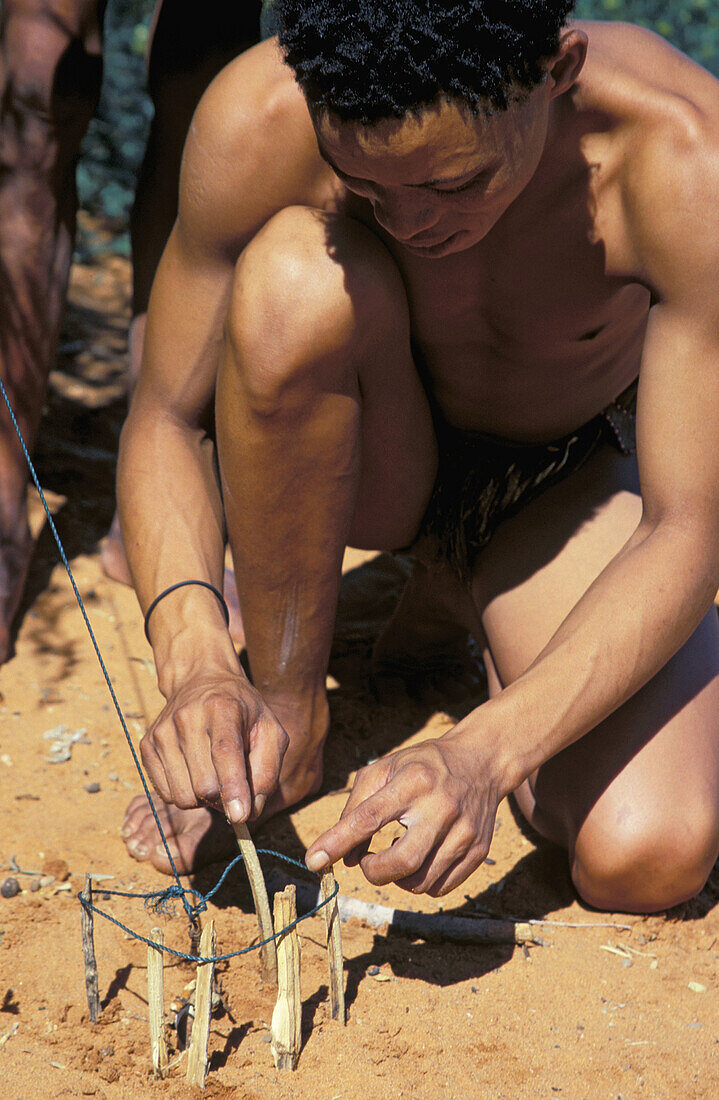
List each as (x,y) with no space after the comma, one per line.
(260,800)
(317,861)
(139,850)
(236,811)
(125,832)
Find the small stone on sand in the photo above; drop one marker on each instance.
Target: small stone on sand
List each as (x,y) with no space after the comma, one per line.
(10,888)
(57,868)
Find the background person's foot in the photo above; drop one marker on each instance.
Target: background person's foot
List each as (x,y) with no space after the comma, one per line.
(112,554)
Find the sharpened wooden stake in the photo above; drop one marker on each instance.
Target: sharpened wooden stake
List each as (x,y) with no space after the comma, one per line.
(335,960)
(268,953)
(287,1016)
(156,1004)
(88,950)
(197,1054)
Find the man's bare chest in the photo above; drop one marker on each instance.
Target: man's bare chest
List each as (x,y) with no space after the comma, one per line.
(526,336)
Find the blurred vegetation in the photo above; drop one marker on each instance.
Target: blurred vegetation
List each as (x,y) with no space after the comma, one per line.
(692,25)
(115,142)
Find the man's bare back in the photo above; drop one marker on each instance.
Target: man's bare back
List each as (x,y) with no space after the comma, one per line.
(530,260)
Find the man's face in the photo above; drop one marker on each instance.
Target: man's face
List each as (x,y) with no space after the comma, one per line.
(440,181)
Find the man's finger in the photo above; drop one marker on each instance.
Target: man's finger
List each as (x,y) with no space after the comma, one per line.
(450,849)
(164,741)
(367,782)
(358,826)
(227,750)
(267,750)
(455,875)
(405,857)
(154,769)
(202,770)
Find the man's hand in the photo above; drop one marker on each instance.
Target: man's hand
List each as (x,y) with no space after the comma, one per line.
(216,743)
(444,798)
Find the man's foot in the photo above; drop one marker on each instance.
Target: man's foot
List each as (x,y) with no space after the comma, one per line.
(201,836)
(427,650)
(194,837)
(114,563)
(15,555)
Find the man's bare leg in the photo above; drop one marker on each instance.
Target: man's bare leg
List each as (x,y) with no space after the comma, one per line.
(51,80)
(324,438)
(635,801)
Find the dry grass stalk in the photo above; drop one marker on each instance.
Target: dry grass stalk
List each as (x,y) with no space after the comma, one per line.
(268,953)
(335,960)
(156,1004)
(88,950)
(197,1054)
(287,1016)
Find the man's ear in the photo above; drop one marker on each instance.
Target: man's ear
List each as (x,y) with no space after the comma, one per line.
(568,61)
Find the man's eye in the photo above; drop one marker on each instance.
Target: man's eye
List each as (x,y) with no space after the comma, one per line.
(474,182)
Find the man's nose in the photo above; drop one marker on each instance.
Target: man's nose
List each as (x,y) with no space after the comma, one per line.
(404,218)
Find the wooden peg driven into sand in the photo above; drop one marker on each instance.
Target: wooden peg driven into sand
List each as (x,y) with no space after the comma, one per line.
(287,1016)
(268,953)
(156,1003)
(197,1054)
(328,886)
(88,950)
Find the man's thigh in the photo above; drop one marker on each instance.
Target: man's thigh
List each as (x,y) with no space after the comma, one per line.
(654,764)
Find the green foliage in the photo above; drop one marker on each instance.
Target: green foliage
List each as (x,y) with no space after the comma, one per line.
(692,25)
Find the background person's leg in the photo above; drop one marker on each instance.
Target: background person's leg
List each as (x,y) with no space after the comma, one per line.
(50,71)
(635,801)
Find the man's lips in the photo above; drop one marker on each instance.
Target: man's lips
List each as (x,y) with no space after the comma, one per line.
(419,245)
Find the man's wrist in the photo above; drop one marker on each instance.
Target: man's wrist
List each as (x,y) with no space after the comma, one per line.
(194,650)
(482,738)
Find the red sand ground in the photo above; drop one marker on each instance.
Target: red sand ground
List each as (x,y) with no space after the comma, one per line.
(566,1019)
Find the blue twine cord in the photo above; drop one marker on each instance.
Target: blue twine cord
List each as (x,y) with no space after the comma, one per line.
(171,892)
(176,890)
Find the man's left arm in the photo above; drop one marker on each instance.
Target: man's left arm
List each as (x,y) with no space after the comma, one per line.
(636,615)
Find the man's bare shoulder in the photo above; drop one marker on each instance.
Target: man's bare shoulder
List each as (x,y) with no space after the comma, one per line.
(662,166)
(250,151)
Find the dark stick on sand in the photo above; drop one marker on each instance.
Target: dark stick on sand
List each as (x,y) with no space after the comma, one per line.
(88,950)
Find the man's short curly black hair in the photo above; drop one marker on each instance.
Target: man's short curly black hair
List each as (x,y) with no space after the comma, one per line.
(368,60)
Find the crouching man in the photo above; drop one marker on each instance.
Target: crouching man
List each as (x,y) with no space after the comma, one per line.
(447,277)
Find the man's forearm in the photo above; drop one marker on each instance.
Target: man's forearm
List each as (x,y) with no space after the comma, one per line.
(173,530)
(634,617)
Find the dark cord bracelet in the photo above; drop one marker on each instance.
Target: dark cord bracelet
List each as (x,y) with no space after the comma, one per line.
(182,584)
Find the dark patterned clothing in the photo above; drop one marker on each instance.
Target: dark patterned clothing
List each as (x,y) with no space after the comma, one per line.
(483,479)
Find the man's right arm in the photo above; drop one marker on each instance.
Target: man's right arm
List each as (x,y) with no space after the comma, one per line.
(168,492)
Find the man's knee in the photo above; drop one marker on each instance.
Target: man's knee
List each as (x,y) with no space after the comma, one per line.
(647,867)
(51,80)
(311,293)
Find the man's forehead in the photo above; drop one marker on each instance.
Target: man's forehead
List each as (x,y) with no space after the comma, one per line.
(441,139)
